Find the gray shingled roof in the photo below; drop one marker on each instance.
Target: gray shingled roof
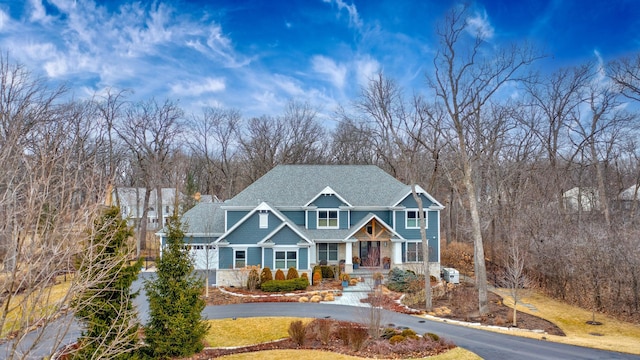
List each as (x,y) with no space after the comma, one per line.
(204,218)
(296,185)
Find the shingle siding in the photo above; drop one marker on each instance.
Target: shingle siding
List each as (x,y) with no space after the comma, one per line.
(249,231)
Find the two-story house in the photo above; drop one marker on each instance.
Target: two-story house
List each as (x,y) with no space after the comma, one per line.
(131,201)
(302,215)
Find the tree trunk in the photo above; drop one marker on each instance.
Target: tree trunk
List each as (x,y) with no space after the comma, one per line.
(425,248)
(478,248)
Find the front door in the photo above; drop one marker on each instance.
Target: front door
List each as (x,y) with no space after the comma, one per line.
(370,253)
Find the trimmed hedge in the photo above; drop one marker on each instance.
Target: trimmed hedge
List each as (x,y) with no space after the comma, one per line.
(285,285)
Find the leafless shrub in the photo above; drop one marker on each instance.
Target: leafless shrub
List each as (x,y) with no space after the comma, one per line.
(298,332)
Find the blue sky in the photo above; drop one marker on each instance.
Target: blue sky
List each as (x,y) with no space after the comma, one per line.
(257,55)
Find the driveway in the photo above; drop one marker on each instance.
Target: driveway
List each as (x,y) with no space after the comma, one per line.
(488,345)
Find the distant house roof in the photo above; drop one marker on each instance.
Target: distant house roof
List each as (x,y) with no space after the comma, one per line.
(630,194)
(297,185)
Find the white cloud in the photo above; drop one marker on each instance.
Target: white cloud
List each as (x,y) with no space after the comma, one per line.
(354,18)
(365,69)
(336,73)
(4,20)
(192,88)
(479,25)
(38,12)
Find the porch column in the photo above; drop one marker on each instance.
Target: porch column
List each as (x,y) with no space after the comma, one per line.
(397,252)
(348,254)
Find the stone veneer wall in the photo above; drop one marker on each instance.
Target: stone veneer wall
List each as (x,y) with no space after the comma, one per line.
(235,277)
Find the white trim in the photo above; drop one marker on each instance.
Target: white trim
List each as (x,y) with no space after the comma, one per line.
(417,211)
(246,255)
(373,216)
(328,191)
(406,251)
(286,249)
(328,210)
(277,229)
(420,190)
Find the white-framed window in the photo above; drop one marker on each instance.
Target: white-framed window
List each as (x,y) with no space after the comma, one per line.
(264,220)
(414,252)
(328,252)
(327,219)
(286,259)
(239,258)
(413,219)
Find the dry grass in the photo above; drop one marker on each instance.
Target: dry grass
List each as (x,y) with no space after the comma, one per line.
(612,335)
(38,305)
(248,331)
(457,354)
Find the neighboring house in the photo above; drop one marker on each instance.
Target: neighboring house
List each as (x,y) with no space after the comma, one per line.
(131,202)
(581,199)
(301,215)
(628,197)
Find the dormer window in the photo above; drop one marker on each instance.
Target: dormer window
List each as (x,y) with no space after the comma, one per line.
(327,219)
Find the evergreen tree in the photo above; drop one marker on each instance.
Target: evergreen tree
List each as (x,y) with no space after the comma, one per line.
(104,306)
(175,327)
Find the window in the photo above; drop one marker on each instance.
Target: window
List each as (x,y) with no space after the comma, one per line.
(328,252)
(286,259)
(239,259)
(413,220)
(264,220)
(414,251)
(328,219)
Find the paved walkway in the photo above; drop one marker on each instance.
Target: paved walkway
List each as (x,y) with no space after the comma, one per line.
(352,295)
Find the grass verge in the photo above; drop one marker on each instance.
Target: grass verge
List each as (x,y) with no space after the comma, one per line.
(248,331)
(613,334)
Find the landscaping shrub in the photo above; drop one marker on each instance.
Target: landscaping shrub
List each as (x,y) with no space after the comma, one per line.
(279,275)
(401,281)
(265,275)
(321,330)
(297,332)
(326,271)
(388,333)
(305,275)
(408,333)
(292,273)
(317,277)
(431,336)
(343,334)
(285,285)
(358,337)
(396,339)
(253,280)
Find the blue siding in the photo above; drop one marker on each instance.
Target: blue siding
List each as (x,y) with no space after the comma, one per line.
(234,216)
(385,216)
(286,236)
(249,232)
(297,217)
(312,219)
(254,256)
(343,219)
(328,201)
(268,258)
(226,258)
(303,258)
(410,202)
(432,226)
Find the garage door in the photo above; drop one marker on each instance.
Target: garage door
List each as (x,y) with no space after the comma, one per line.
(201,254)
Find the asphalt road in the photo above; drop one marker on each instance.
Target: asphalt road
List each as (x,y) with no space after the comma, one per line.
(486,344)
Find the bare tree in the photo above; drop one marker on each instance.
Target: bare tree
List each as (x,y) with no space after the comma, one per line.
(150,131)
(467,76)
(514,277)
(214,140)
